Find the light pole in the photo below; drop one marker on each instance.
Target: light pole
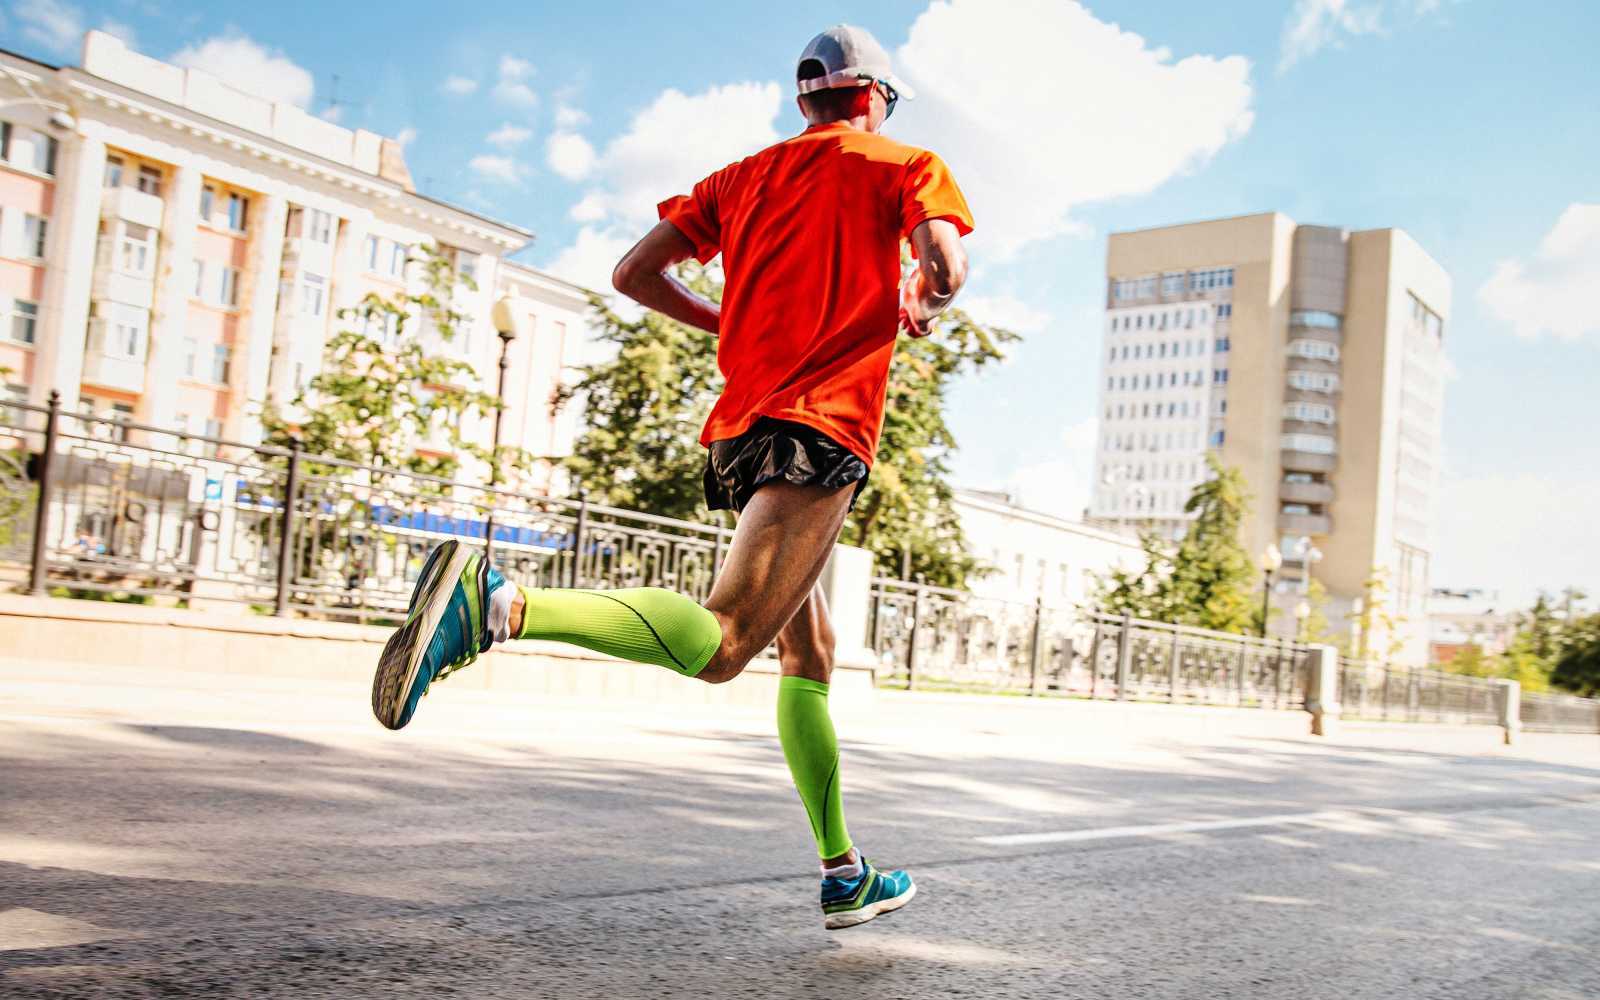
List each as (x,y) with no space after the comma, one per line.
(1302,611)
(1271,560)
(504,317)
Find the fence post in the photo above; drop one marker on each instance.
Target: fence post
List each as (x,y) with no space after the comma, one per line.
(1033,656)
(291,493)
(577,538)
(1124,650)
(1094,663)
(911,644)
(1277,677)
(1172,668)
(1510,710)
(1322,689)
(716,554)
(1238,673)
(41,513)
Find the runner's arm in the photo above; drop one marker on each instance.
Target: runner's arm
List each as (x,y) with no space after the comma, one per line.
(941,271)
(642,275)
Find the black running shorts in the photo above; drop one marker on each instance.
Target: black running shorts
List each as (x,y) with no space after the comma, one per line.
(778,449)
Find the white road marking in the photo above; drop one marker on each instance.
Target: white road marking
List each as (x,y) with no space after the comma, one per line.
(1157,829)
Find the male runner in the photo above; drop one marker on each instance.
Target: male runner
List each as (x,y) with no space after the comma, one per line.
(810,233)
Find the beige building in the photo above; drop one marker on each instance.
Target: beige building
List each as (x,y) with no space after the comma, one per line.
(177,252)
(1309,357)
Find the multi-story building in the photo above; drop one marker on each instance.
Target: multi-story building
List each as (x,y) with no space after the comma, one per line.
(1309,357)
(178,252)
(1034,556)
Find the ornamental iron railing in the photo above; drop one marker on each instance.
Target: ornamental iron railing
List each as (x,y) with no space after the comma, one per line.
(99,507)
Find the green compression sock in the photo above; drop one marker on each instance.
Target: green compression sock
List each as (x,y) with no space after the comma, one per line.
(809,745)
(643,624)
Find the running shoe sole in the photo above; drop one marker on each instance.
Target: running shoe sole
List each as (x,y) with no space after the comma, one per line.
(402,654)
(854,918)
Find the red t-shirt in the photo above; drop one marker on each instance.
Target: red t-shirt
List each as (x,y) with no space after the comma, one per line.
(809,231)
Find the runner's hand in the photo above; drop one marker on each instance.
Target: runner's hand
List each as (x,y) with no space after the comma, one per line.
(913,319)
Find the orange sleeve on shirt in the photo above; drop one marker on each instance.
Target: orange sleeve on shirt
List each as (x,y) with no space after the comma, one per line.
(695,216)
(929,192)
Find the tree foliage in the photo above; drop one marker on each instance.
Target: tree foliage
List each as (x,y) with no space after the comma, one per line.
(645,406)
(1207,580)
(375,403)
(1553,647)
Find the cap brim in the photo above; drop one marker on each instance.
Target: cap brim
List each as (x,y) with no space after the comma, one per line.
(905,92)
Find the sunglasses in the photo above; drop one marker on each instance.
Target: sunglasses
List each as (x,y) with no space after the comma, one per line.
(891,97)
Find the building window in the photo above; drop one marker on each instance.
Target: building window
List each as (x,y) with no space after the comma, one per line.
(228,293)
(1223,344)
(138,254)
(1315,349)
(397,260)
(24,321)
(5,140)
(1224,310)
(238,212)
(34,228)
(321,226)
(372,253)
(208,203)
(1315,318)
(311,294)
(221,358)
(149,181)
(113,175)
(1216,439)
(1314,381)
(1315,444)
(125,341)
(1317,413)
(191,356)
(1172,284)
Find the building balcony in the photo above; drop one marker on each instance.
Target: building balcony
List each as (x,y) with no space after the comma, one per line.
(1305,524)
(118,286)
(131,205)
(1307,427)
(111,369)
(1307,461)
(1317,333)
(1318,493)
(303,254)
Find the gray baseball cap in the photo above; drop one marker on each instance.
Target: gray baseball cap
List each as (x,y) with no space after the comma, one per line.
(850,57)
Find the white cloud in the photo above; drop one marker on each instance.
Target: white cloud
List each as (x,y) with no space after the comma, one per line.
(588,209)
(249,66)
(1518,533)
(667,147)
(568,117)
(509,135)
(50,24)
(459,86)
(1316,24)
(125,32)
(1014,97)
(1063,482)
(1554,291)
(591,258)
(676,141)
(510,88)
(1005,311)
(500,169)
(569,155)
(406,136)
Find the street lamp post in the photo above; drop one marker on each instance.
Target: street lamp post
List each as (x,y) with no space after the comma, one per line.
(1302,611)
(1271,560)
(504,317)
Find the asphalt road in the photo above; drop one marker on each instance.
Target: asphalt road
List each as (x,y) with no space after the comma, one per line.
(196,841)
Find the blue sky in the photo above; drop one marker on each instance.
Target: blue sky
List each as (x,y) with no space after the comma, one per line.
(1470,124)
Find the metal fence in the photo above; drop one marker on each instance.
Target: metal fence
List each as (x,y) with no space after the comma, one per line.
(102,507)
(1559,713)
(1410,694)
(130,509)
(935,637)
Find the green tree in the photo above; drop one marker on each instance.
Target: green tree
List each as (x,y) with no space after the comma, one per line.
(1207,581)
(1315,628)
(373,403)
(1578,668)
(645,406)
(1377,628)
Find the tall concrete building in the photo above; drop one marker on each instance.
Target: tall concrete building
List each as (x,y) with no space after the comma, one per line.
(1309,357)
(177,252)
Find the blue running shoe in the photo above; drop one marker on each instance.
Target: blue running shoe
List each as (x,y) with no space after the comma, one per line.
(446,628)
(847,902)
